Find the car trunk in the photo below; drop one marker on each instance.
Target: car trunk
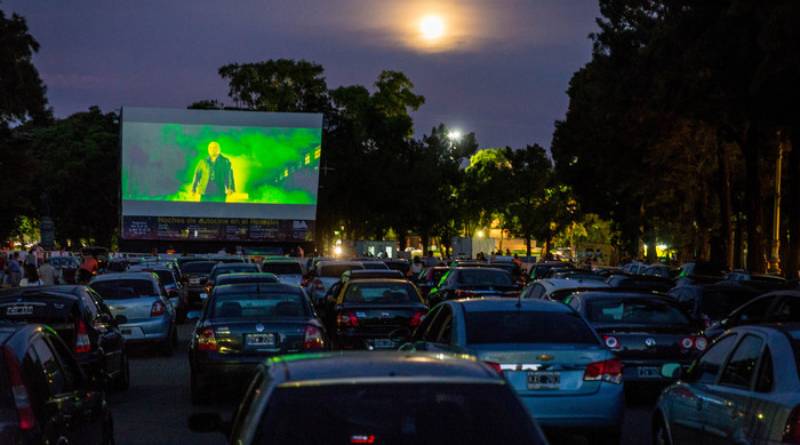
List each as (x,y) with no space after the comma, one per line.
(646,342)
(546,370)
(134,309)
(61,314)
(259,337)
(381,319)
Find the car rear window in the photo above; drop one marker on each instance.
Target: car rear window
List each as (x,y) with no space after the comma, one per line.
(374,265)
(234,268)
(336,270)
(41,308)
(396,414)
(203,267)
(260,305)
(380,293)
(527,327)
(282,268)
(123,289)
(477,277)
(229,279)
(635,311)
(718,305)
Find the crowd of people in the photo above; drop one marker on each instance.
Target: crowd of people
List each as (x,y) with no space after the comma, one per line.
(24,268)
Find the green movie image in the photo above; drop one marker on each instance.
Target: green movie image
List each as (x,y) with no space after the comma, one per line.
(207,163)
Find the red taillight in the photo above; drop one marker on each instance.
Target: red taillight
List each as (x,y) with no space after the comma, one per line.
(496,366)
(206,341)
(313,338)
(362,439)
(347,320)
(700,343)
(791,433)
(157,309)
(607,371)
(82,342)
(20,392)
(416,320)
(612,342)
(687,343)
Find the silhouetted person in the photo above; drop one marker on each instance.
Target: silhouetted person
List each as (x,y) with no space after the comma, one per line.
(213,177)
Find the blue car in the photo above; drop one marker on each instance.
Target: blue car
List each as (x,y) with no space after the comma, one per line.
(743,390)
(559,367)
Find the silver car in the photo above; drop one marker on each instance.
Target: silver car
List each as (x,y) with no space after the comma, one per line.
(742,390)
(145,303)
(288,271)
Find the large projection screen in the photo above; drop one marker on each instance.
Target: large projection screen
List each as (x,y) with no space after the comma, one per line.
(212,174)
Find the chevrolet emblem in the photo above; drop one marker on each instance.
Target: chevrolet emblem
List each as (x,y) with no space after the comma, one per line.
(545,357)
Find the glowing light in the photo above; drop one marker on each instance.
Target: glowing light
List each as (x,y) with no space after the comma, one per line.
(432,27)
(454,135)
(337,250)
(480,234)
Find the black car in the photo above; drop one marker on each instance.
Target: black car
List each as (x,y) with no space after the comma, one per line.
(429,278)
(539,270)
(241,325)
(699,272)
(81,318)
(195,275)
(648,283)
(474,282)
(226,268)
(376,398)
(645,330)
(45,398)
(713,302)
(246,278)
(333,291)
(365,312)
(774,307)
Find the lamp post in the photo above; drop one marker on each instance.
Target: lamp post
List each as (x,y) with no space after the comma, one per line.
(775,250)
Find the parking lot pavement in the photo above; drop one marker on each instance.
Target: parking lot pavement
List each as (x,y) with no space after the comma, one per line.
(156,407)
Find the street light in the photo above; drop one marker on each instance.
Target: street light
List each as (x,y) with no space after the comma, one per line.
(454,136)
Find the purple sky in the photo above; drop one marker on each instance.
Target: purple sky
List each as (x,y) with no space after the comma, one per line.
(501,70)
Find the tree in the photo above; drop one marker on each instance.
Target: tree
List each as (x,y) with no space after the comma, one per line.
(531,171)
(22,93)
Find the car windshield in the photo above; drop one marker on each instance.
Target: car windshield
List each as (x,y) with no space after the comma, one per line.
(380,293)
(412,413)
(258,305)
(198,267)
(635,311)
(123,289)
(717,305)
(282,268)
(484,277)
(336,270)
(527,327)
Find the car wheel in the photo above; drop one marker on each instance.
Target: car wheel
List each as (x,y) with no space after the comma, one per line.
(123,381)
(198,392)
(660,433)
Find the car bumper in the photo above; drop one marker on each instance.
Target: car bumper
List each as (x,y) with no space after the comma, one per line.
(235,374)
(601,410)
(151,330)
(631,371)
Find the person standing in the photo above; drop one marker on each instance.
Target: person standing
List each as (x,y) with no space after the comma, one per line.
(14,270)
(31,264)
(88,269)
(213,177)
(47,273)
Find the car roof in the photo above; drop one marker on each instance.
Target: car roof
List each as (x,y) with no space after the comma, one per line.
(554,284)
(229,276)
(625,294)
(373,273)
(378,280)
(380,367)
(236,288)
(124,276)
(495,304)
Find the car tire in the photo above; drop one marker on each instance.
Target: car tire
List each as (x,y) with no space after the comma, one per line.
(123,380)
(660,433)
(199,394)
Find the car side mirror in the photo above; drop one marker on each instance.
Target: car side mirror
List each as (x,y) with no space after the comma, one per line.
(120,319)
(400,335)
(209,423)
(672,371)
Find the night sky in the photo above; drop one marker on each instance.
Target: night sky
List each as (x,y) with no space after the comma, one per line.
(500,68)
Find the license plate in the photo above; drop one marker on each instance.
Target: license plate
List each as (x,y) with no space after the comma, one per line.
(19,310)
(383,343)
(260,340)
(194,280)
(203,296)
(649,372)
(544,380)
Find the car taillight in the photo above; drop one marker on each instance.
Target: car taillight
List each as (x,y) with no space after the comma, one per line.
(21,398)
(82,341)
(612,342)
(416,320)
(687,343)
(700,343)
(313,338)
(496,367)
(791,434)
(157,309)
(206,341)
(607,371)
(347,320)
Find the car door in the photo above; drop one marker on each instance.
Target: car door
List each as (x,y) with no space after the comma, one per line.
(726,411)
(686,400)
(440,336)
(765,408)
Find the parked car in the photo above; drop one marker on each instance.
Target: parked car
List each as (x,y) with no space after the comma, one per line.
(242,324)
(398,264)
(538,270)
(364,313)
(374,265)
(649,283)
(552,358)
(82,320)
(774,307)
(144,303)
(45,398)
(378,397)
(247,278)
(334,289)
(644,330)
(761,282)
(474,282)
(195,275)
(226,268)
(635,268)
(324,275)
(743,390)
(173,287)
(660,270)
(557,289)
(287,271)
(429,278)
(697,272)
(713,302)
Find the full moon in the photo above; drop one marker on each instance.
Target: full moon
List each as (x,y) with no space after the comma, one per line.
(431,27)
